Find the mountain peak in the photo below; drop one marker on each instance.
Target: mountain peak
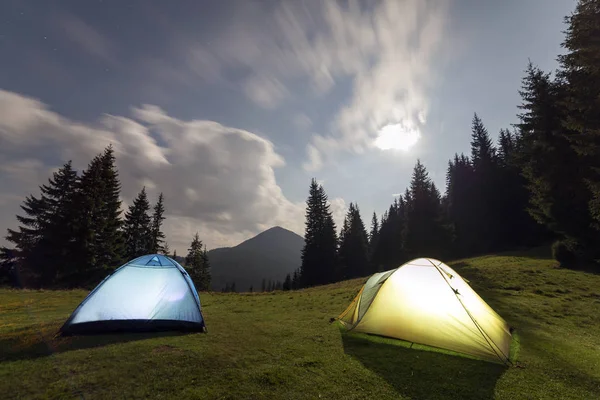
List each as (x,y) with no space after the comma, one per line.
(271,254)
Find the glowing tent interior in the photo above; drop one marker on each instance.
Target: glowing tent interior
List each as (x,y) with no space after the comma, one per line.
(425,301)
(150,293)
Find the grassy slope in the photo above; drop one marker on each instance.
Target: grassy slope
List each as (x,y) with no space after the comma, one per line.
(281,346)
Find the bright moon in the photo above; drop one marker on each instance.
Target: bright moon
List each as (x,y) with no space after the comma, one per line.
(397,136)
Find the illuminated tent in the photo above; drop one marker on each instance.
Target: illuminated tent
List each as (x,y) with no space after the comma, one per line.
(425,301)
(149,293)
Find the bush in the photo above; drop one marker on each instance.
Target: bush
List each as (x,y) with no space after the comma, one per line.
(564,251)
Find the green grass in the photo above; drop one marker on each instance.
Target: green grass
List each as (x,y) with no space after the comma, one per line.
(282,346)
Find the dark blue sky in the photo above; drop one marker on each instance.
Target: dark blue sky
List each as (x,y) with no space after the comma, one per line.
(317,80)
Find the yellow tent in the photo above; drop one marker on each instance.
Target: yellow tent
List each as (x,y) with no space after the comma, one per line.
(425,301)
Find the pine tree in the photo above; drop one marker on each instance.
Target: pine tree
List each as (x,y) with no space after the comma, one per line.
(559,197)
(287,284)
(484,195)
(296,280)
(581,75)
(166,249)
(251,290)
(319,255)
(158,237)
(460,181)
(207,277)
(373,239)
(354,252)
(232,288)
(425,235)
(100,243)
(196,264)
(43,244)
(263,286)
(138,229)
(516,228)
(110,242)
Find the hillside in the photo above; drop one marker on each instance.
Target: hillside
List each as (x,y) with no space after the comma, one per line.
(281,345)
(270,255)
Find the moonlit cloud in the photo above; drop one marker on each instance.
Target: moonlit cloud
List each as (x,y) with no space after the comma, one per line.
(217,180)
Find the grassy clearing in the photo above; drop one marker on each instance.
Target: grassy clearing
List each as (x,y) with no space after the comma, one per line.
(281,346)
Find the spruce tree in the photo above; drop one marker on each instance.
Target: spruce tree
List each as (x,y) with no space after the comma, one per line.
(559,196)
(110,242)
(207,277)
(166,250)
(319,255)
(373,238)
(425,233)
(460,181)
(296,280)
(263,286)
(484,196)
(354,244)
(287,284)
(43,243)
(581,76)
(99,238)
(197,266)
(138,229)
(158,237)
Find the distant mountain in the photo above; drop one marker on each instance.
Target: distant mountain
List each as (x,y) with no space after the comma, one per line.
(270,255)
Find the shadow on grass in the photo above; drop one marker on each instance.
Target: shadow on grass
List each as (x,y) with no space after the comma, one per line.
(421,374)
(32,345)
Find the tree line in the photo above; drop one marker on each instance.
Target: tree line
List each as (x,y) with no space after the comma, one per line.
(540,182)
(74,233)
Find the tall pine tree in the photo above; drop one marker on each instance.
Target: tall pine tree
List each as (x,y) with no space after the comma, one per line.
(137,227)
(484,201)
(319,255)
(354,246)
(373,239)
(44,240)
(425,233)
(158,237)
(460,182)
(559,197)
(197,265)
(99,238)
(580,72)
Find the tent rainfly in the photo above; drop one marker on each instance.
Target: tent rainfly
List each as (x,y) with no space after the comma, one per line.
(150,293)
(425,301)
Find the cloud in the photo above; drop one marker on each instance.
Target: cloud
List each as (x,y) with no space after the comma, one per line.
(217,180)
(386,49)
(264,91)
(302,121)
(86,37)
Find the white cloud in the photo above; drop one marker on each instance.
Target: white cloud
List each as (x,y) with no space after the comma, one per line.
(217,180)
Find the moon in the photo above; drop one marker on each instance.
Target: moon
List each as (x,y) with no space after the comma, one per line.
(397,137)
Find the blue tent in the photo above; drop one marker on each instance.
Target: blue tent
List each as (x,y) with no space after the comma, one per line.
(149,293)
